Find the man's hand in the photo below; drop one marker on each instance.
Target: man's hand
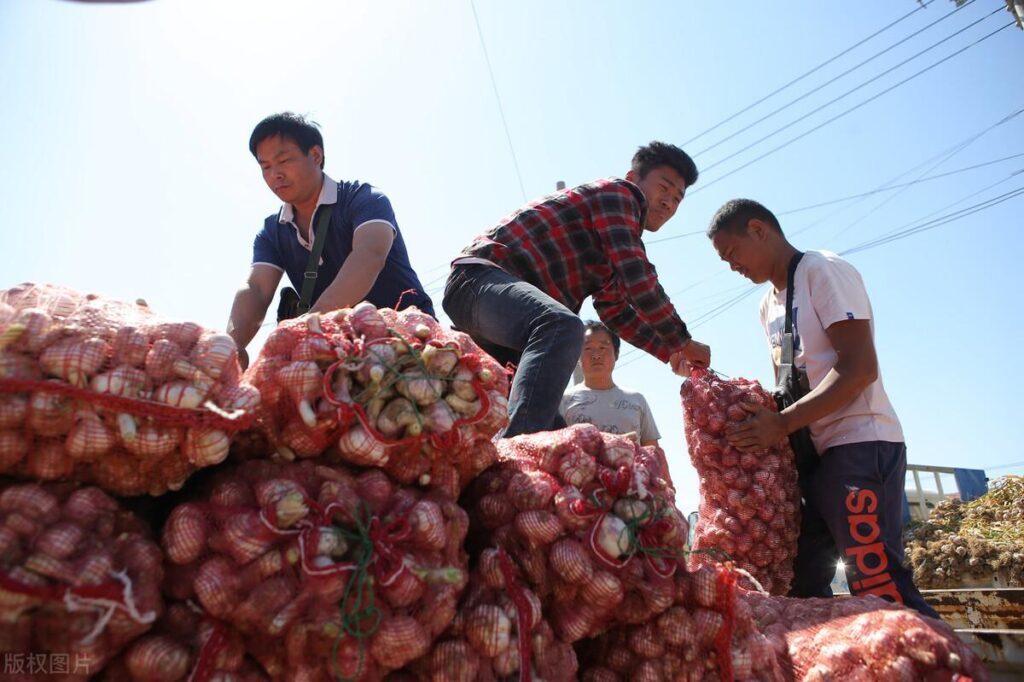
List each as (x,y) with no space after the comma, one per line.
(763,429)
(694,355)
(243,358)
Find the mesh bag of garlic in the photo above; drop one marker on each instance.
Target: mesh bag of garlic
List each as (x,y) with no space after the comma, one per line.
(980,542)
(79,577)
(588,520)
(378,388)
(499,633)
(750,503)
(105,392)
(706,634)
(326,572)
(859,638)
(186,646)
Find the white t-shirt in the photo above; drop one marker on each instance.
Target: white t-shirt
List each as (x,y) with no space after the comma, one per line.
(612,410)
(827,290)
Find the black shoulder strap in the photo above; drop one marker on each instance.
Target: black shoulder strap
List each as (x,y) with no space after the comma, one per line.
(787,337)
(309,278)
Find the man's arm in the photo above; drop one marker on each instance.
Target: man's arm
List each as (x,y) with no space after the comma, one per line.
(371,243)
(855,369)
(250,306)
(616,223)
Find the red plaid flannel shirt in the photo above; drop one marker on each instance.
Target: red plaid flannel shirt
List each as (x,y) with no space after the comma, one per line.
(585,242)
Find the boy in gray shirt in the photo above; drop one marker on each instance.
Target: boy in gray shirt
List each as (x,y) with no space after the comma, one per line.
(598,400)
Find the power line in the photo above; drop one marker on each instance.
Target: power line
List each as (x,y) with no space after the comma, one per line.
(676,236)
(943,155)
(887,185)
(938,222)
(497,98)
(851,91)
(880,241)
(834,79)
(851,109)
(889,188)
(1011,465)
(805,75)
(948,206)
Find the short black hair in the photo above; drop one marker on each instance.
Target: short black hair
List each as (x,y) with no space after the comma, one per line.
(656,154)
(736,214)
(294,127)
(595,326)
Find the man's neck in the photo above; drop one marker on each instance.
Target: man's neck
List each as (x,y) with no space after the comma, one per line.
(599,383)
(780,270)
(304,208)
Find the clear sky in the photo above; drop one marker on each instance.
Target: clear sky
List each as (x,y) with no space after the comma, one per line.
(124,166)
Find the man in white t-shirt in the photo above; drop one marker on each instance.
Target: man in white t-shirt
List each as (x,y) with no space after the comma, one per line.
(853,498)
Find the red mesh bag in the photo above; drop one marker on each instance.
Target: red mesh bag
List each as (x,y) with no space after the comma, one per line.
(705,634)
(325,572)
(104,392)
(860,639)
(185,645)
(381,388)
(590,523)
(499,633)
(750,503)
(79,577)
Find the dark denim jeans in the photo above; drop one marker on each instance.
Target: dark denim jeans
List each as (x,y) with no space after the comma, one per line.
(516,322)
(853,509)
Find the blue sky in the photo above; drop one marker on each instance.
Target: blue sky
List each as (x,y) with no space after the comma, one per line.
(125,167)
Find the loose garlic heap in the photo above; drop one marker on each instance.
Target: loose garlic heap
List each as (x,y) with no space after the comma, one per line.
(106,392)
(381,388)
(967,543)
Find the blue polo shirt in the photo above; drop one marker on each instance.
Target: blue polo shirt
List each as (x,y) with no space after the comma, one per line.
(353,204)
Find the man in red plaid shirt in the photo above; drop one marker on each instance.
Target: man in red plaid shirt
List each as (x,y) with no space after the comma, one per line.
(517,289)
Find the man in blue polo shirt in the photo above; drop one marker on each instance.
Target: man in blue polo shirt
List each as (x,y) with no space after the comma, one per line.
(364,255)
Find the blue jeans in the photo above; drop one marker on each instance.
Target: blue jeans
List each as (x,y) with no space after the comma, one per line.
(516,322)
(853,509)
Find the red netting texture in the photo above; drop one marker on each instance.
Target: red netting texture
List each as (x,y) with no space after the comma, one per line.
(750,502)
(79,577)
(326,572)
(860,639)
(589,523)
(378,388)
(106,392)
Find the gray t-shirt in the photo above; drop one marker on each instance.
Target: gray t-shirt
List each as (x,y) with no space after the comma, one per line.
(613,410)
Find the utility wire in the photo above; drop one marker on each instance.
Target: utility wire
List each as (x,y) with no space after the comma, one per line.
(938,222)
(948,206)
(946,153)
(874,243)
(890,188)
(497,98)
(834,79)
(851,109)
(1011,465)
(851,91)
(805,75)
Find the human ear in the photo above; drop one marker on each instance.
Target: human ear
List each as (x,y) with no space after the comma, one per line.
(756,229)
